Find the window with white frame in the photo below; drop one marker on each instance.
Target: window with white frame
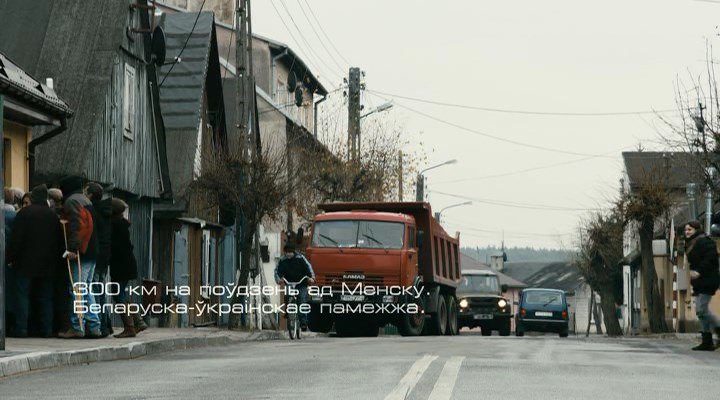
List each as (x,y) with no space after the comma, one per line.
(129,101)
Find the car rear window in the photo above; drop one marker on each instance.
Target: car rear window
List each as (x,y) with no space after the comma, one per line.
(546,298)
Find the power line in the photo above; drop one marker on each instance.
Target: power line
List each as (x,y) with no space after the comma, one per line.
(309,46)
(325,33)
(525,112)
(509,233)
(322,42)
(477,178)
(498,138)
(184,44)
(511,204)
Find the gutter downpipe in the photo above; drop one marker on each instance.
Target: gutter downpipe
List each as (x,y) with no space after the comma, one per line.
(315,107)
(36,142)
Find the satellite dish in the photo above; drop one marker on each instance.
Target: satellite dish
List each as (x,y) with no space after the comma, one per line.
(299,98)
(291,82)
(157,46)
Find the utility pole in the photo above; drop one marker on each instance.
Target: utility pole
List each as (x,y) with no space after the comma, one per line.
(400,176)
(354,114)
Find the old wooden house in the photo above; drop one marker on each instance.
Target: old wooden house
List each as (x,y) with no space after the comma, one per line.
(189,233)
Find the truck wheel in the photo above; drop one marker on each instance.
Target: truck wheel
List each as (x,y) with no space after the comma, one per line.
(438,322)
(486,331)
(412,324)
(452,324)
(318,322)
(371,329)
(505,327)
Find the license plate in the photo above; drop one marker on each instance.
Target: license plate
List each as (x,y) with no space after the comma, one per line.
(483,316)
(543,314)
(352,298)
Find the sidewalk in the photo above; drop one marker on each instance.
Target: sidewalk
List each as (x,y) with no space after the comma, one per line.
(31,354)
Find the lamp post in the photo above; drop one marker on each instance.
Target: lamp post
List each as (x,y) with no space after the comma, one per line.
(439,213)
(420,183)
(380,108)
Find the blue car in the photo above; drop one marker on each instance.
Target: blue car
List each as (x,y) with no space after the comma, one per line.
(542,310)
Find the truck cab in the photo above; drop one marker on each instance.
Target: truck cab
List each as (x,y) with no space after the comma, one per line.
(481,304)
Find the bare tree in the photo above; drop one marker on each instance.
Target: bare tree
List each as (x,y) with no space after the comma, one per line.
(648,203)
(600,250)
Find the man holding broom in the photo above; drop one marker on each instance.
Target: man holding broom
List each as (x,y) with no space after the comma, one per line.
(82,248)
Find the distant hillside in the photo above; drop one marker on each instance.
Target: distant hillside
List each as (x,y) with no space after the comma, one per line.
(519,254)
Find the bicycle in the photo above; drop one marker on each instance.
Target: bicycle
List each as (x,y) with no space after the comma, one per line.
(293,322)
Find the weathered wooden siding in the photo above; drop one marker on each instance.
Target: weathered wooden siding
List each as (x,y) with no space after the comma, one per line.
(140,227)
(131,164)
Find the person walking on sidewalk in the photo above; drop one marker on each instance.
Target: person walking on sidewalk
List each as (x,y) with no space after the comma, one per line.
(123,267)
(705,277)
(35,251)
(82,243)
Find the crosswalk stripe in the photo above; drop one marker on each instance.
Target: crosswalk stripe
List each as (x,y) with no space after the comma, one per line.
(446,382)
(411,378)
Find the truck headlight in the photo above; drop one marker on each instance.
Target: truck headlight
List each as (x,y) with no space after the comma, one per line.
(502,303)
(463,303)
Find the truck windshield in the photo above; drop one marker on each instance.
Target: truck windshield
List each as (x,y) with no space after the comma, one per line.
(360,234)
(479,283)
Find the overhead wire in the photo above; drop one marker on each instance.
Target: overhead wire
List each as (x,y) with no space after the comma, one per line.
(332,44)
(322,42)
(511,204)
(526,112)
(325,68)
(177,58)
(484,134)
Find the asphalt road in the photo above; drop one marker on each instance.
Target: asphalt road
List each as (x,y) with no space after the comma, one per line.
(463,367)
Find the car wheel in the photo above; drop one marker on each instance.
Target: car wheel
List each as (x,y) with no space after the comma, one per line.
(519,330)
(564,334)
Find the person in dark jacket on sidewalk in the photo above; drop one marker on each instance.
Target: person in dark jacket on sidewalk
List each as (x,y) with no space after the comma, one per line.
(81,243)
(35,251)
(705,277)
(293,267)
(102,213)
(123,267)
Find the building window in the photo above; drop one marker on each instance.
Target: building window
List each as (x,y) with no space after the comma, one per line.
(129,101)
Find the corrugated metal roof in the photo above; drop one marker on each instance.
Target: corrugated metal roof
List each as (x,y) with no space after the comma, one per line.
(181,93)
(679,168)
(15,81)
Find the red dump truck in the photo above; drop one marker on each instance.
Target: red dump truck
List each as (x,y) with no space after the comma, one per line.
(392,260)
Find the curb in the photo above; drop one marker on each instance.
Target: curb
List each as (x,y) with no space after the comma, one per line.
(22,363)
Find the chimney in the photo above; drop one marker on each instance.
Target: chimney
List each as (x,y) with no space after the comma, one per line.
(50,83)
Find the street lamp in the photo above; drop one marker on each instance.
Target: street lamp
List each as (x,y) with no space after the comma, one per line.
(380,108)
(439,213)
(420,183)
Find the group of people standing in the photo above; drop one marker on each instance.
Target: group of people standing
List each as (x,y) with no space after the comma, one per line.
(56,239)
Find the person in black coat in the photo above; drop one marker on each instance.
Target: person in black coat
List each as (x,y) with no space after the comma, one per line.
(102,215)
(35,251)
(123,266)
(702,256)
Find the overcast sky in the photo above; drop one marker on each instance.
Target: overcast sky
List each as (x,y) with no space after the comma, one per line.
(554,56)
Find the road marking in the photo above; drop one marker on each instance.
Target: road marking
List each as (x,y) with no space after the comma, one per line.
(411,378)
(446,382)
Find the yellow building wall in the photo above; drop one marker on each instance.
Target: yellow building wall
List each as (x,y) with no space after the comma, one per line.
(16,156)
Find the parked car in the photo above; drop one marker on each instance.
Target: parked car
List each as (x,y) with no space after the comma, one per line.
(481,304)
(542,310)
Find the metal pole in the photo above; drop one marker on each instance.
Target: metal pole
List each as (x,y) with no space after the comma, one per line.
(400,176)
(708,209)
(420,188)
(2,234)
(690,190)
